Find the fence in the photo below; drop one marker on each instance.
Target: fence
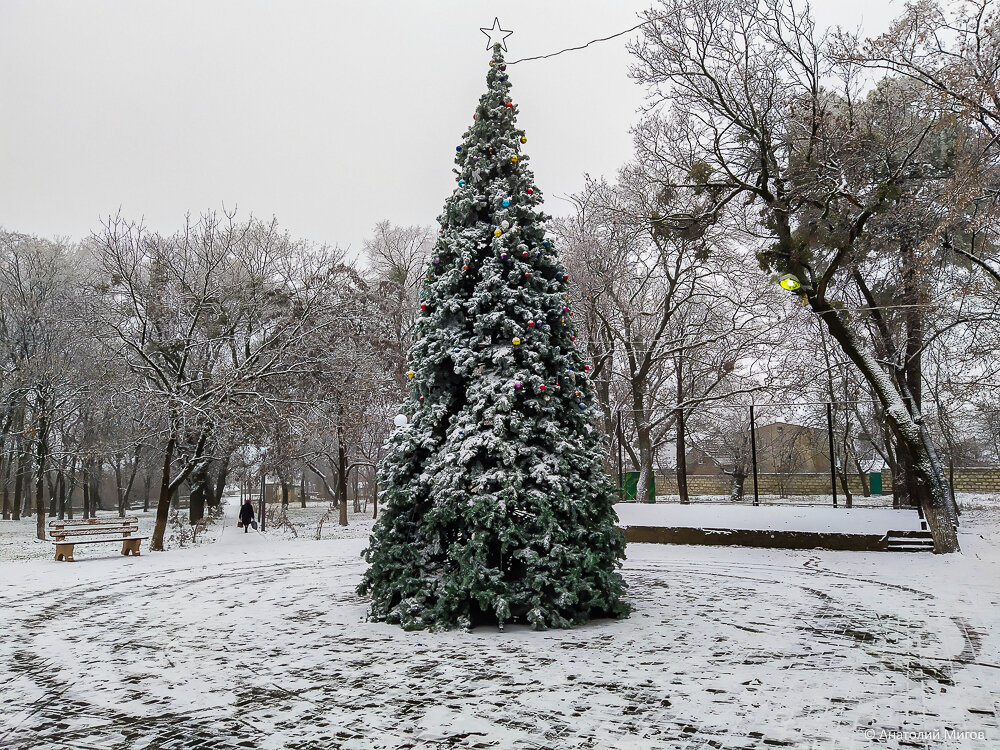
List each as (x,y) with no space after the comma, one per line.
(832,449)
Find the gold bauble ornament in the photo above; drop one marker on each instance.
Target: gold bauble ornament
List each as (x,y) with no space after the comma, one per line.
(516,342)
(497,233)
(514,159)
(410,374)
(523,139)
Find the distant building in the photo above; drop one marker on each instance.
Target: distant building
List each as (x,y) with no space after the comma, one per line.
(782,448)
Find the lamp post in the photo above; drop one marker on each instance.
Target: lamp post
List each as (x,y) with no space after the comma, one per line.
(263,499)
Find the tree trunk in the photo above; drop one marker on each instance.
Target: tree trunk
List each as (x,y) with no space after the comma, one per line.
(342,474)
(53,491)
(41,455)
(5,479)
(302,489)
(912,440)
(119,490)
(736,486)
(843,476)
(61,491)
(866,489)
(71,488)
(220,483)
(201,488)
(682,480)
(645,443)
(18,485)
(85,485)
(6,459)
(124,504)
(284,491)
(951,484)
(163,504)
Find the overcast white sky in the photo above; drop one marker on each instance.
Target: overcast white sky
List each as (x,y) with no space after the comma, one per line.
(329,115)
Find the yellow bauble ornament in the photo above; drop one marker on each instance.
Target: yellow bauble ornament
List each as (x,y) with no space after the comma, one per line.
(497,233)
(514,159)
(516,342)
(523,139)
(410,374)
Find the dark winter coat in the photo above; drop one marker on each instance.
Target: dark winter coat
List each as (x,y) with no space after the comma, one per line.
(246,513)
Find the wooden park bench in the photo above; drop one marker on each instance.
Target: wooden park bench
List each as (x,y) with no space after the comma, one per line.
(67,534)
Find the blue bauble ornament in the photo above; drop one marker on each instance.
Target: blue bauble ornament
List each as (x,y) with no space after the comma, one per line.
(461,183)
(545,243)
(506,203)
(458,148)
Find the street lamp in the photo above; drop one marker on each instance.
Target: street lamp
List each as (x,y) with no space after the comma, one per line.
(790,282)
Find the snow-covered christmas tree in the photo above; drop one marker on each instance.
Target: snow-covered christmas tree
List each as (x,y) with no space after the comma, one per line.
(495,505)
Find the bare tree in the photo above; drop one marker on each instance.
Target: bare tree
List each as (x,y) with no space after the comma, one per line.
(755,120)
(203,318)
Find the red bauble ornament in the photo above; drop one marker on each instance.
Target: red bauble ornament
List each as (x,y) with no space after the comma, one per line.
(527,275)
(531,324)
(503,67)
(422,398)
(465,268)
(577,393)
(530,191)
(541,387)
(423,307)
(565,277)
(572,338)
(524,254)
(510,105)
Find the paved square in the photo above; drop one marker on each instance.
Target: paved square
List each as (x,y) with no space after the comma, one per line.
(246,644)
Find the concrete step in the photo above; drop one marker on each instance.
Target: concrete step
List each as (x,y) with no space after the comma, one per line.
(910,541)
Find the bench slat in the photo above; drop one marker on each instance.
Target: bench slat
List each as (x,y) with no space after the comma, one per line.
(100,541)
(95,529)
(99,521)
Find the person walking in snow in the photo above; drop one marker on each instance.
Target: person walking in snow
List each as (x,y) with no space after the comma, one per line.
(246,515)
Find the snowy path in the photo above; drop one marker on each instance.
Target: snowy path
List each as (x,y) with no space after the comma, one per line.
(727,647)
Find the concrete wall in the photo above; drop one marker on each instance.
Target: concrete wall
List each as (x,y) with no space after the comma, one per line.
(985,480)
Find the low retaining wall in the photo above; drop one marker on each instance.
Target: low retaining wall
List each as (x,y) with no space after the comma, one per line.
(747,538)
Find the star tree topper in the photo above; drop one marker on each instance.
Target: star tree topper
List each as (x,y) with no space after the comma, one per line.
(496,35)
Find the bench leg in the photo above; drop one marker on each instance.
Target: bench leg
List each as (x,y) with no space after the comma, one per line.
(131,546)
(64,552)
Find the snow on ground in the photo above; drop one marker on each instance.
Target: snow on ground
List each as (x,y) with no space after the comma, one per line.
(18,542)
(258,642)
(768,518)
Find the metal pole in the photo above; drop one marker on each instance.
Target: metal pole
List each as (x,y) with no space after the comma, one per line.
(263,501)
(833,461)
(753,455)
(621,485)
